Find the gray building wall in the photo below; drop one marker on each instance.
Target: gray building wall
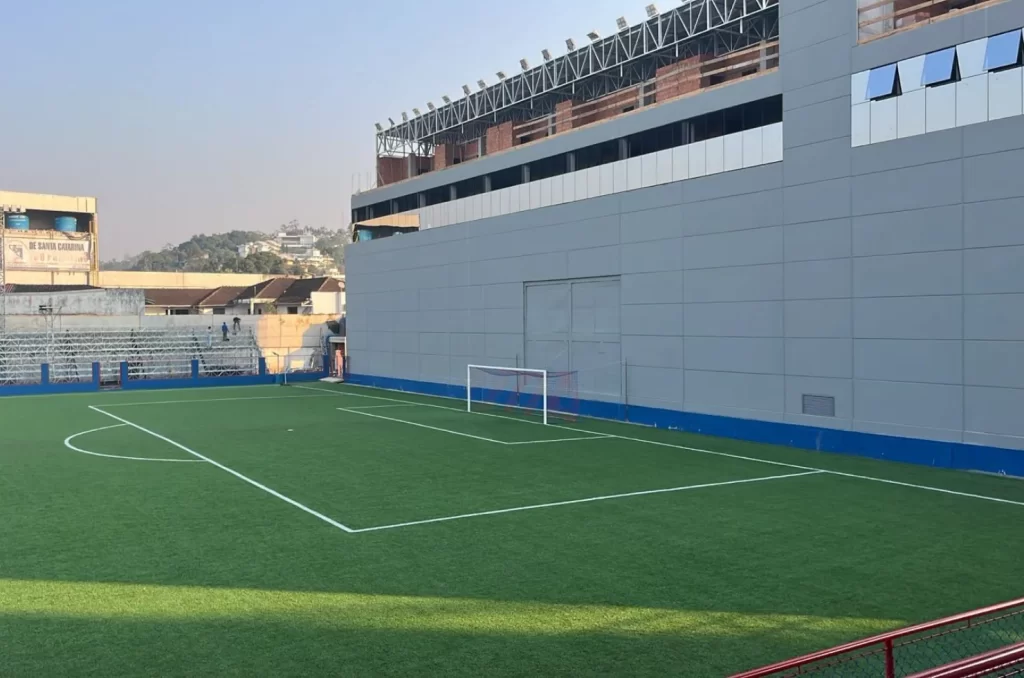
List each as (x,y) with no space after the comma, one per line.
(888,276)
(76,302)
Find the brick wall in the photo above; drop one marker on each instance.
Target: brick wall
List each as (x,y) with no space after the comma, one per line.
(443,156)
(563,116)
(606,107)
(391,170)
(680,78)
(499,138)
(733,67)
(468,151)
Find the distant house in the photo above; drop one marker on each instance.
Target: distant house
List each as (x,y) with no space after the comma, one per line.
(174,302)
(299,248)
(261,246)
(279,295)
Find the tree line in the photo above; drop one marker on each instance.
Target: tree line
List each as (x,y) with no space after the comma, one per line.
(218,253)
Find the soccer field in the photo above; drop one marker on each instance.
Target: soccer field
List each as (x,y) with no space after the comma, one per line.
(334,530)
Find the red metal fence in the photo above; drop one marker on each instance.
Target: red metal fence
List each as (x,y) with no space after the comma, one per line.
(1003,663)
(909,651)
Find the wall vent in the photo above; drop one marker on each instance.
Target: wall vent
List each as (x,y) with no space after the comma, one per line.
(819,406)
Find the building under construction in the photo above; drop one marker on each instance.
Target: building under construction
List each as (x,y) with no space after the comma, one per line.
(701,45)
(794,222)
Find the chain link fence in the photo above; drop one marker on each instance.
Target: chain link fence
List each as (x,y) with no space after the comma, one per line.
(910,651)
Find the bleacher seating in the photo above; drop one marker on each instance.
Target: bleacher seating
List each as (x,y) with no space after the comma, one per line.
(150,354)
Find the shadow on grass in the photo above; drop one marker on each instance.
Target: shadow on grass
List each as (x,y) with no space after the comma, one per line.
(72,628)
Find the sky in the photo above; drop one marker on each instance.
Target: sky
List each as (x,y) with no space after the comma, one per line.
(204,116)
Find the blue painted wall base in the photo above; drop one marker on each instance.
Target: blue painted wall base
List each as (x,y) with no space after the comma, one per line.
(952,455)
(127,383)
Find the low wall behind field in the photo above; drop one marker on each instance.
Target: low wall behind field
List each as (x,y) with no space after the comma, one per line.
(286,340)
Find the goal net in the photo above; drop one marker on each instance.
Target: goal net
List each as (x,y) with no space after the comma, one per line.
(541,393)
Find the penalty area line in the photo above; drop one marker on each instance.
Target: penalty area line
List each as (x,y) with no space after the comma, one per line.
(261,486)
(561,440)
(584,501)
(362,411)
(431,428)
(374,407)
(689,448)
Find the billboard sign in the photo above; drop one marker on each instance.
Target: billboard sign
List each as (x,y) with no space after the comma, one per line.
(48,253)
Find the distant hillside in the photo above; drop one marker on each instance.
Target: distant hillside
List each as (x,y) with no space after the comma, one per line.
(219,254)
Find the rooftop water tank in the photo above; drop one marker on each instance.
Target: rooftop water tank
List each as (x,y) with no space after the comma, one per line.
(66,224)
(18,222)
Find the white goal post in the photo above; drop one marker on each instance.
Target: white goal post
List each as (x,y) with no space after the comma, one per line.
(518,373)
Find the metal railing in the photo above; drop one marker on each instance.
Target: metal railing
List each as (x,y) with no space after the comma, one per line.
(1005,662)
(683,79)
(879,18)
(909,651)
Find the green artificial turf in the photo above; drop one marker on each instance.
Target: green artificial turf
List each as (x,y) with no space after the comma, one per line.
(112,567)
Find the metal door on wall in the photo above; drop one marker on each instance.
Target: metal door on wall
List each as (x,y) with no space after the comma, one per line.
(573,325)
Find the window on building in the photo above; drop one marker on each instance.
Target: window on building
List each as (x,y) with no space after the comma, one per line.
(219,311)
(654,140)
(714,124)
(771,111)
(548,167)
(293,310)
(436,196)
(698,128)
(1003,51)
(939,68)
(733,120)
(407,203)
(883,82)
(507,178)
(469,187)
(598,154)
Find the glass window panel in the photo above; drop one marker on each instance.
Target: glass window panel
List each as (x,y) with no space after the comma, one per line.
(1003,51)
(882,82)
(938,67)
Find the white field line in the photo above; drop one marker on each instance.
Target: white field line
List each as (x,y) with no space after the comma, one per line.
(560,440)
(886,481)
(67,443)
(210,400)
(361,410)
(374,407)
(451,409)
(828,471)
(233,472)
(585,501)
(926,487)
(432,428)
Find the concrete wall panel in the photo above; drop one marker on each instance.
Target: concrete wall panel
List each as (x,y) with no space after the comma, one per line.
(889,276)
